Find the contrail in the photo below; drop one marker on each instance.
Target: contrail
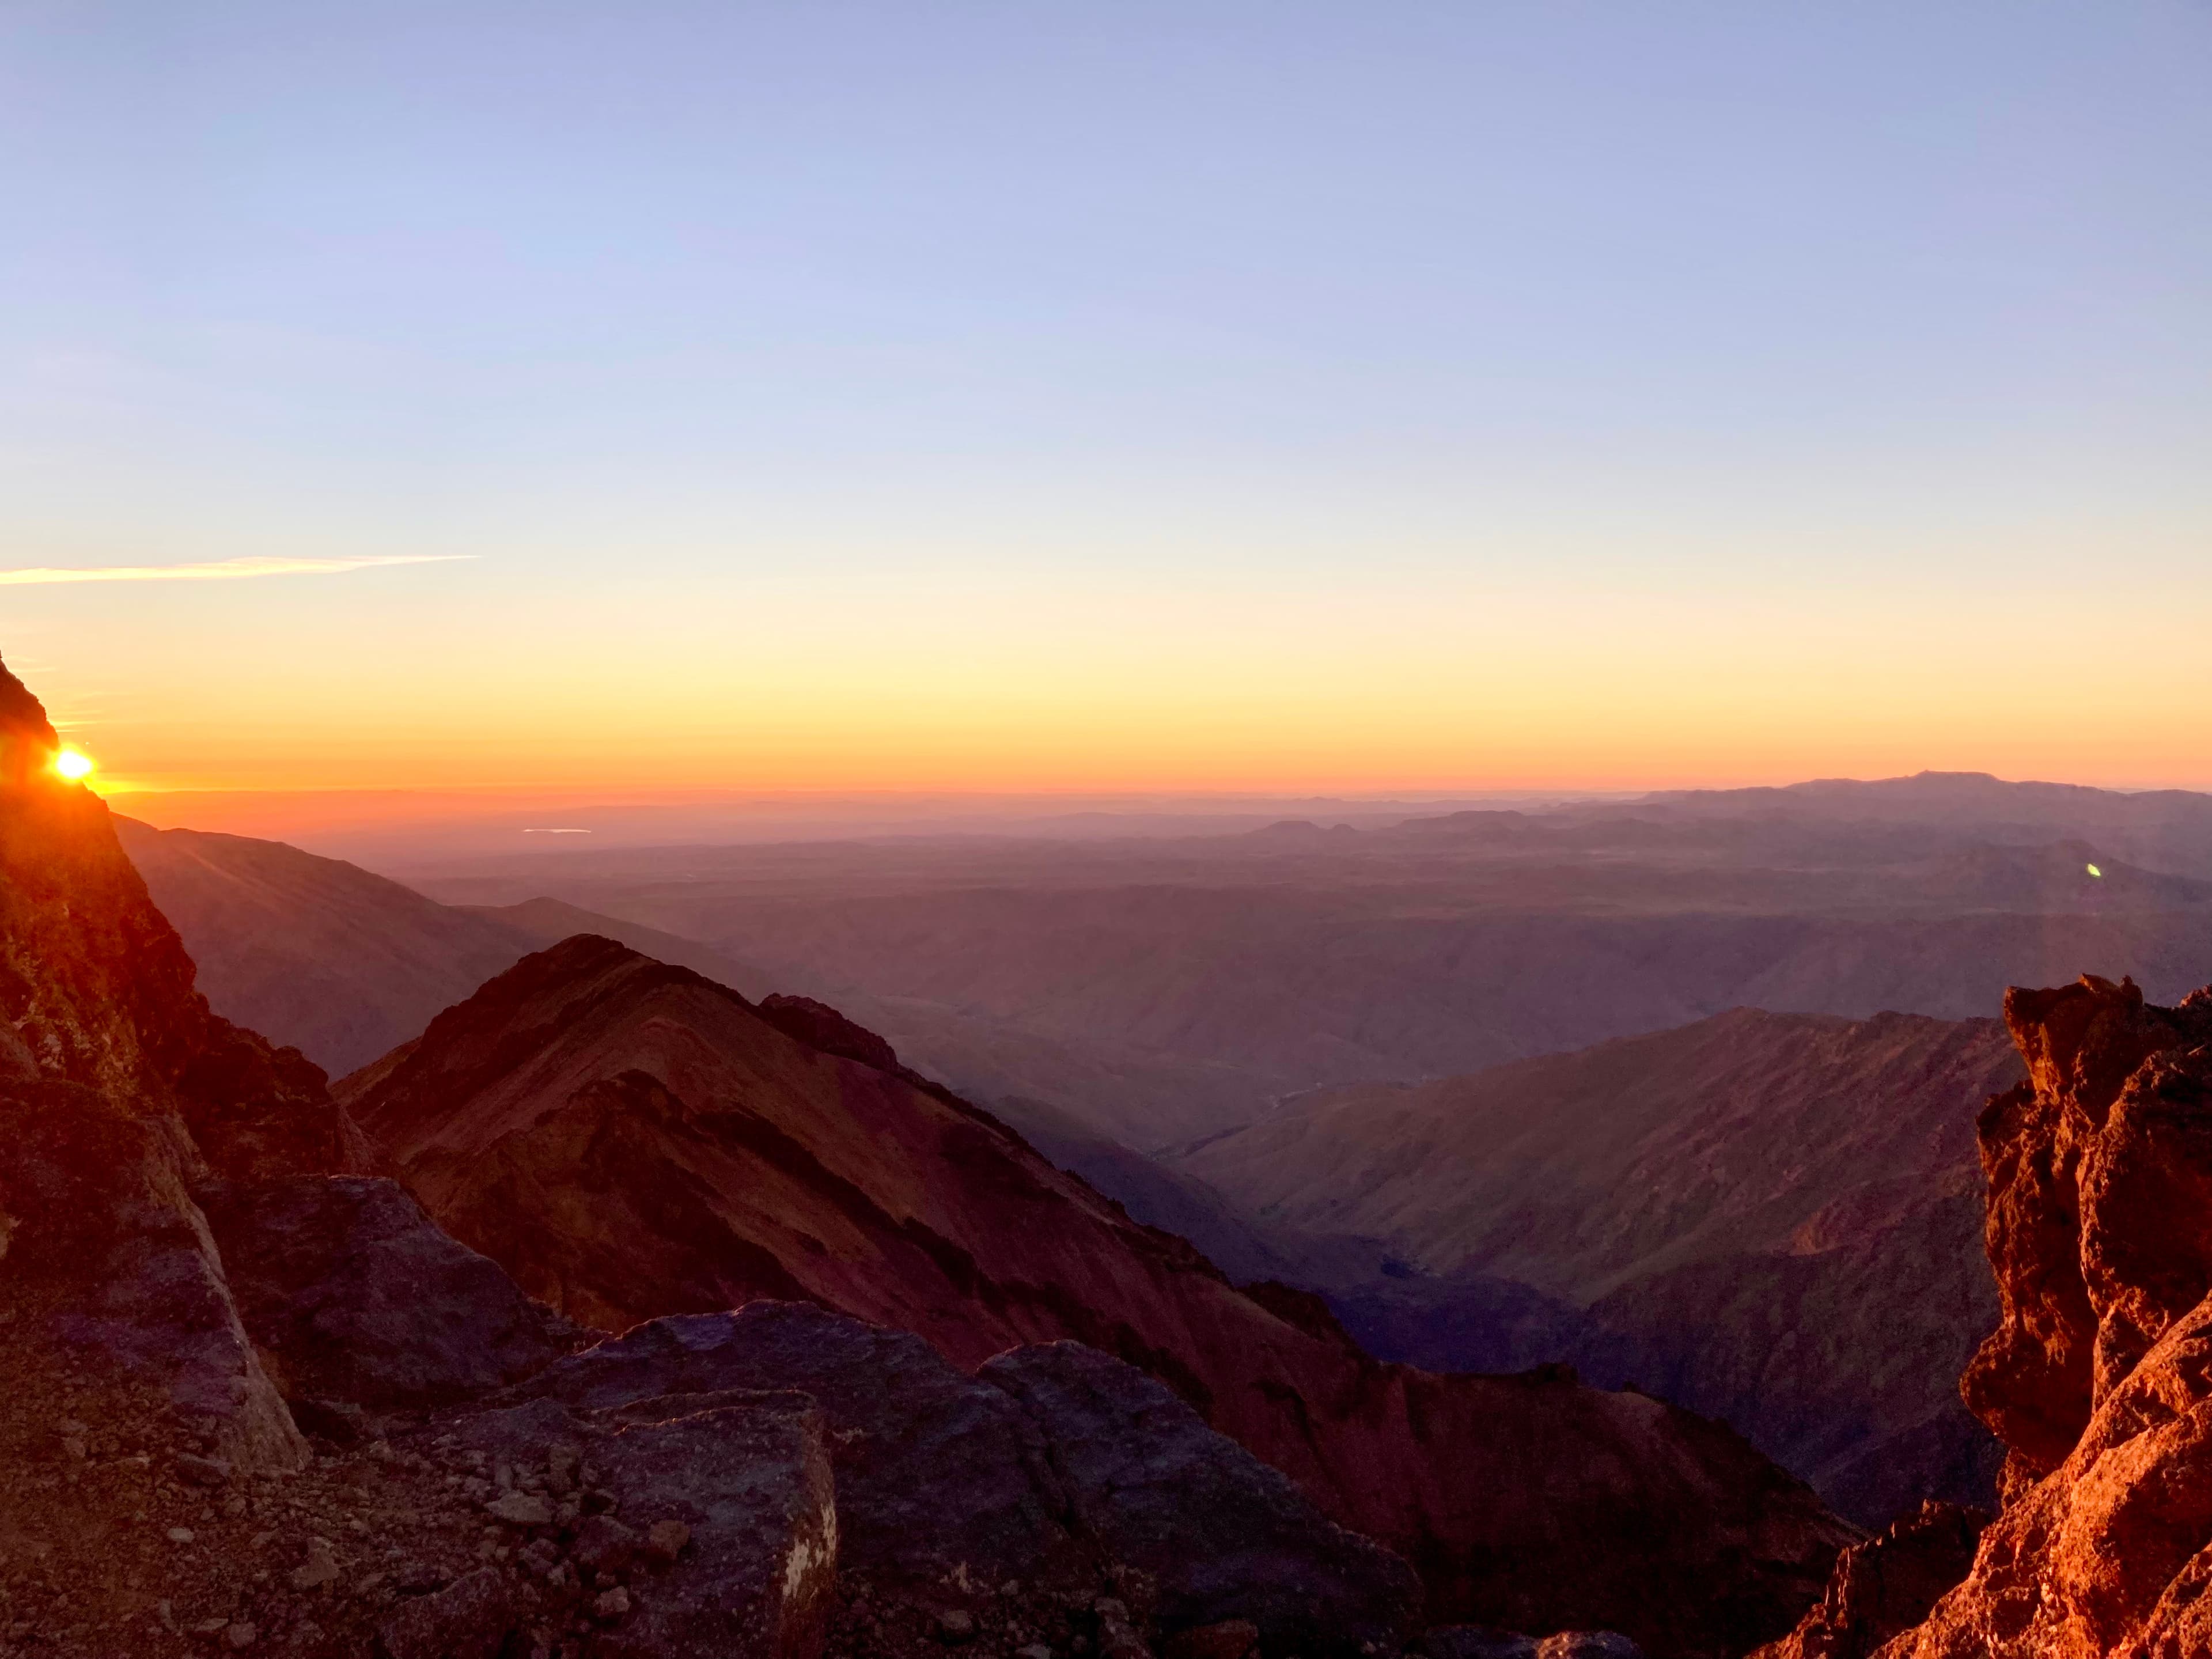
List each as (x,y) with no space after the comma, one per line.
(218,570)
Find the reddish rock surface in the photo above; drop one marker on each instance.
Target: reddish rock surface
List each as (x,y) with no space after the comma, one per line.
(2099,1378)
(2099,1225)
(631,1140)
(1885,1585)
(355,1298)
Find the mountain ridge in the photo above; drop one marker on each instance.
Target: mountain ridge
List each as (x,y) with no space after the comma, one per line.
(724,1158)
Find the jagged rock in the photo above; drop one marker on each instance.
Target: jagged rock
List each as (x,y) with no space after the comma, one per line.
(746,1473)
(2089,1265)
(363,1300)
(1224,1536)
(821,1027)
(2099,1380)
(936,1474)
(1885,1585)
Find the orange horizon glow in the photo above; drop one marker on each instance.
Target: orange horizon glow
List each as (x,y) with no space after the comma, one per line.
(456,677)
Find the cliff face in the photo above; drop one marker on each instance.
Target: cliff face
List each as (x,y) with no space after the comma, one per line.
(2099,1225)
(630,1141)
(96,989)
(2099,1378)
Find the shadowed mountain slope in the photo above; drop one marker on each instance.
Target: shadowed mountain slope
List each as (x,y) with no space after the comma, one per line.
(631,1139)
(1773,1217)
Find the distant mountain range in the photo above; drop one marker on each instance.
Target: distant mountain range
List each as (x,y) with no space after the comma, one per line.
(1772,1218)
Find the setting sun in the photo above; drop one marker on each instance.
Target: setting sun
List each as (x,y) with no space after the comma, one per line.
(73,764)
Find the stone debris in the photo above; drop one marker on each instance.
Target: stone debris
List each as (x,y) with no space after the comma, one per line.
(520,1509)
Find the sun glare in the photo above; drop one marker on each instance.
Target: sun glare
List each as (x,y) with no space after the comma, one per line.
(73,764)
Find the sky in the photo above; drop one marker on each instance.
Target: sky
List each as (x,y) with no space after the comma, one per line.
(1209,396)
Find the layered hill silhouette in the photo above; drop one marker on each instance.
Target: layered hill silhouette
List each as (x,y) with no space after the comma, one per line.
(1773,1217)
(341,963)
(631,1139)
(1310,955)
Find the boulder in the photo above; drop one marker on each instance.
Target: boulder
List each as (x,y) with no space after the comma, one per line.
(114,1278)
(1223,1536)
(363,1300)
(942,1480)
(735,1486)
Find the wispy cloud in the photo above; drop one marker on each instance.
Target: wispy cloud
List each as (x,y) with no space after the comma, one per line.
(217,570)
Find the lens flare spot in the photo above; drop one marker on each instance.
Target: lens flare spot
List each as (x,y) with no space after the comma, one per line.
(2094,871)
(73,764)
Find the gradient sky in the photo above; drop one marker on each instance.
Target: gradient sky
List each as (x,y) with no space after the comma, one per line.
(1270,395)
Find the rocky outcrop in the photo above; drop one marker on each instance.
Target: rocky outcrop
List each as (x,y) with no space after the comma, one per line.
(631,1140)
(676,1526)
(358,1299)
(2098,1174)
(2099,1378)
(1885,1585)
(112,1298)
(941,1482)
(1224,1538)
(1021,1496)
